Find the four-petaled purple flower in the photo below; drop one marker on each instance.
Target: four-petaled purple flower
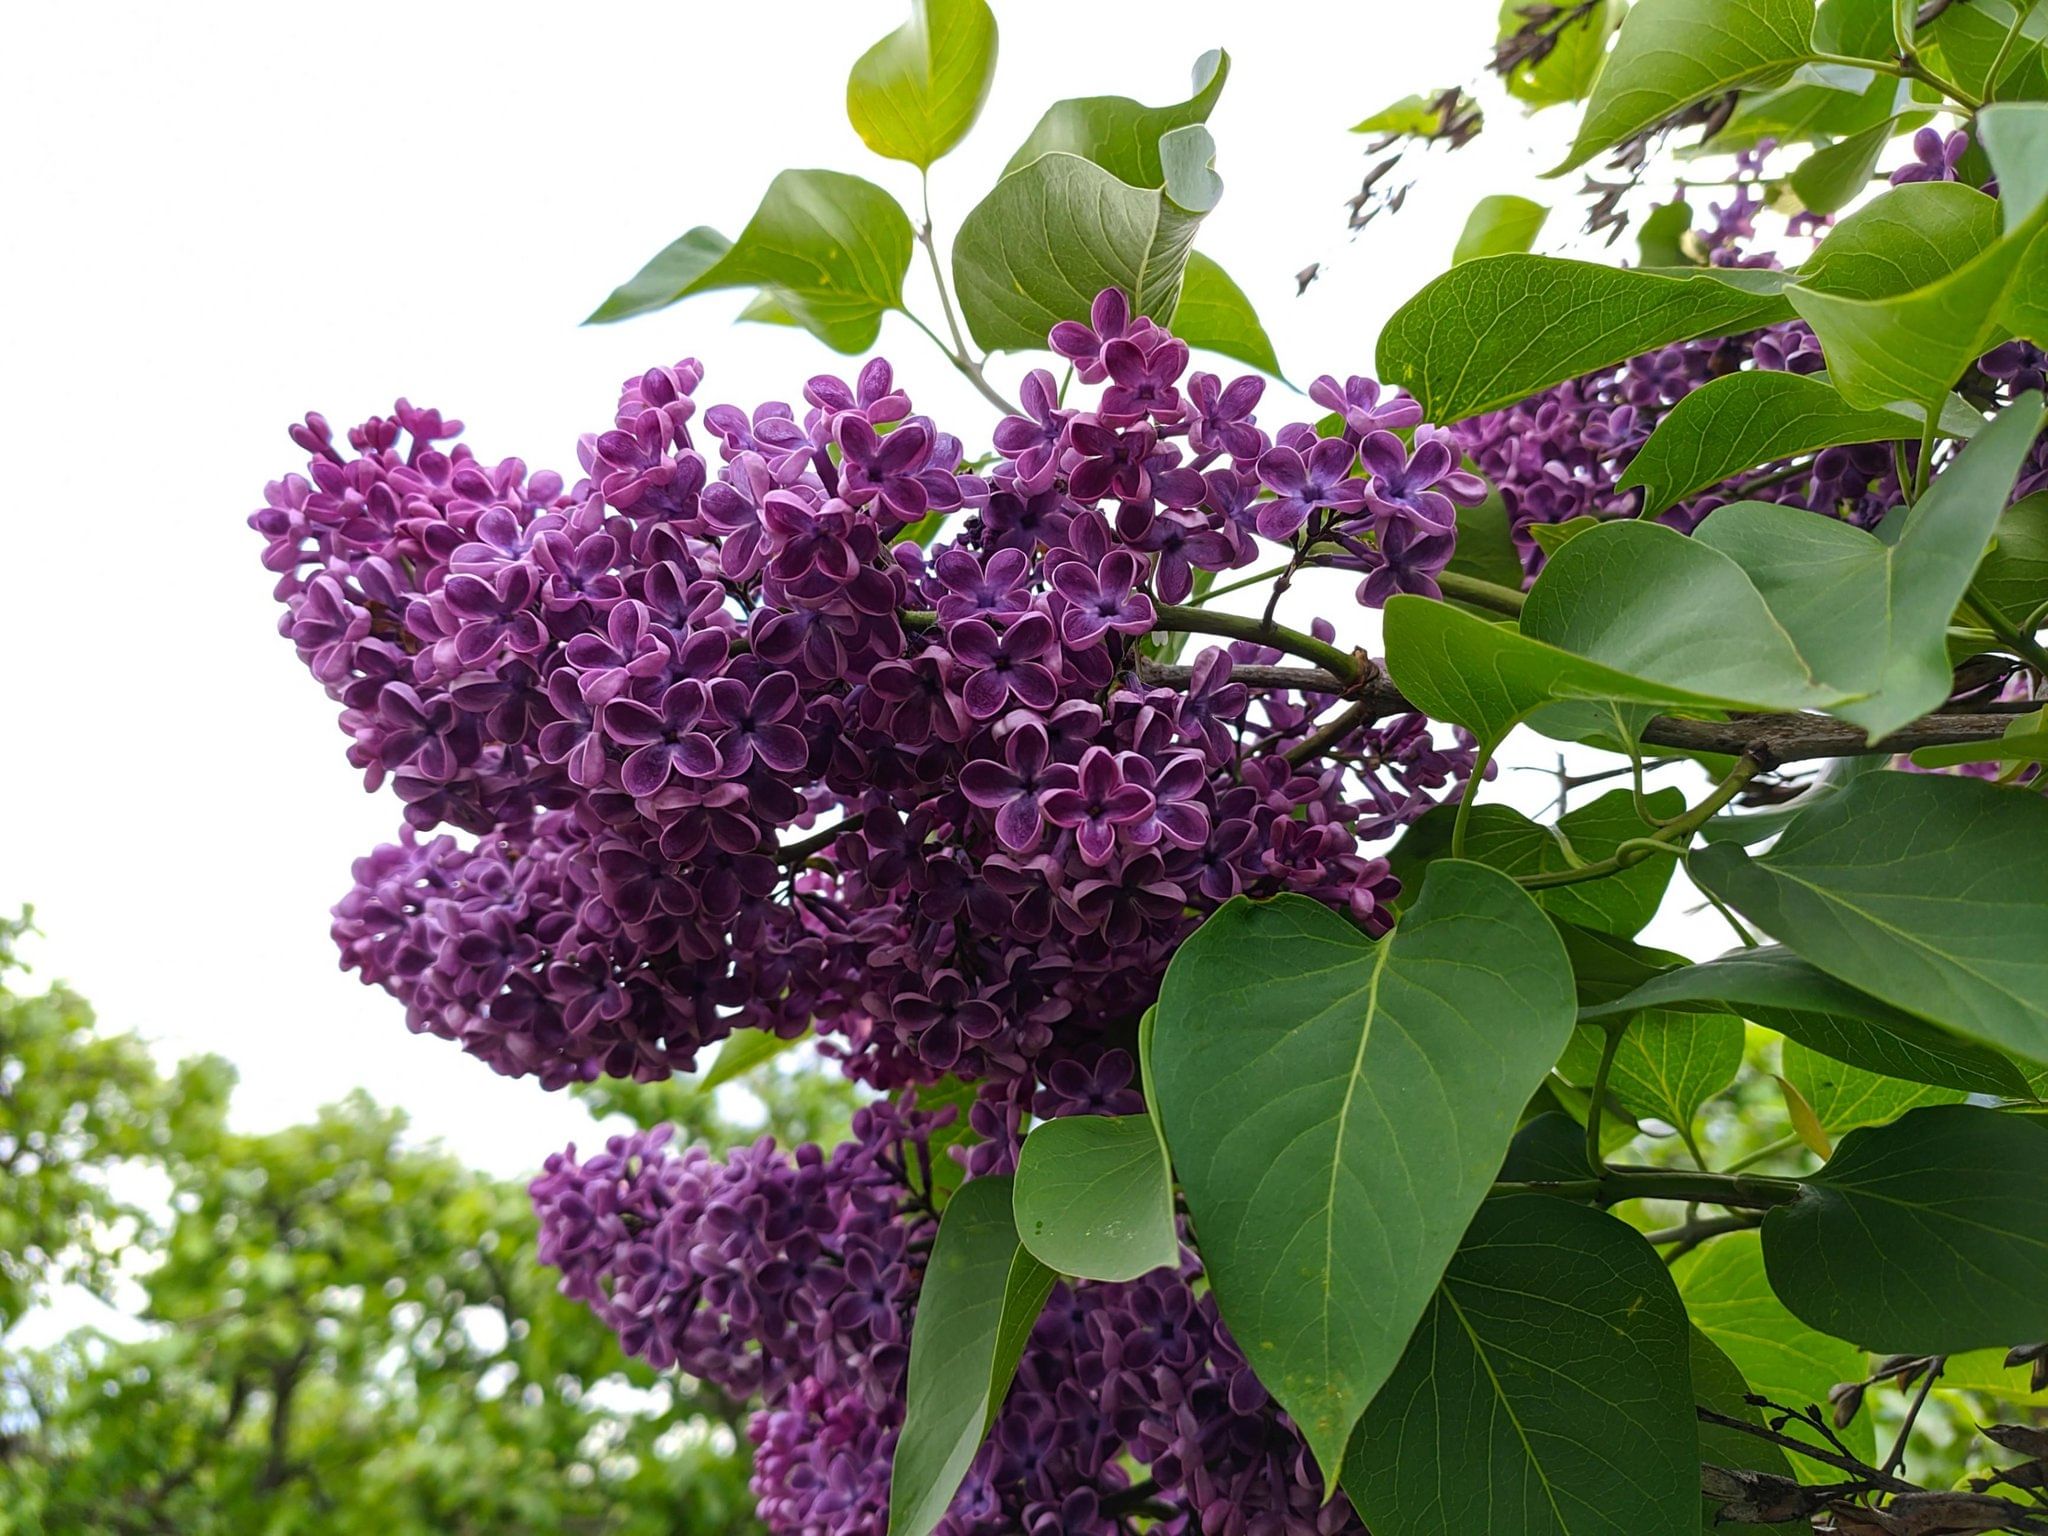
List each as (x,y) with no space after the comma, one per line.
(974,590)
(1103,599)
(1221,421)
(1143,382)
(1012,665)
(1408,556)
(756,724)
(664,742)
(1032,441)
(1318,481)
(1426,484)
(1015,787)
(1101,805)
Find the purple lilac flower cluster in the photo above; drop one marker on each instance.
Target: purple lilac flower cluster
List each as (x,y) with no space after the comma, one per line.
(793,1280)
(638,689)
(1560,454)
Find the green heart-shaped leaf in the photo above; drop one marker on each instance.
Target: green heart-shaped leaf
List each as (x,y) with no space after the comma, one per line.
(1555,1337)
(1927,891)
(1337,1109)
(1094,1197)
(915,94)
(1926,1236)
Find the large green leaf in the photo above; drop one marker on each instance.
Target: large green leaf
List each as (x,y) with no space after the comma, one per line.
(1926,1236)
(1120,135)
(1672,53)
(1777,989)
(1567,71)
(1843,1097)
(1927,891)
(1095,1198)
(1824,104)
(666,278)
(1057,231)
(1887,341)
(1970,39)
(1504,838)
(1499,225)
(981,1295)
(1731,1302)
(1546,1392)
(1215,316)
(1829,179)
(1871,618)
(1667,1065)
(914,95)
(831,248)
(1497,330)
(1750,418)
(2014,575)
(1606,966)
(1337,1109)
(1911,236)
(1632,612)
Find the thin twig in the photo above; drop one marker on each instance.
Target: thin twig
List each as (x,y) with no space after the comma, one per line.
(1897,1459)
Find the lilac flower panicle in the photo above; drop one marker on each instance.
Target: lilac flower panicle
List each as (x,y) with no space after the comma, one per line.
(698,743)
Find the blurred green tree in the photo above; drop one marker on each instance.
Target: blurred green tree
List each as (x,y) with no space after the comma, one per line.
(342,1330)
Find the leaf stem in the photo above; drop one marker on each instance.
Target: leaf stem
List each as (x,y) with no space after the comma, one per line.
(1469,796)
(2014,637)
(1237,586)
(1332,731)
(1763,1153)
(1910,67)
(1698,1231)
(1896,1461)
(2005,47)
(1671,838)
(957,353)
(792,854)
(1480,593)
(1739,1191)
(1923,467)
(1742,932)
(1596,1157)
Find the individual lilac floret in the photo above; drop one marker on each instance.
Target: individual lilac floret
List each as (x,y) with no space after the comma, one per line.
(1935,157)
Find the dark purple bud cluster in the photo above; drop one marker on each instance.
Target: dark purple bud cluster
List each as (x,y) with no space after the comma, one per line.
(654,695)
(793,1280)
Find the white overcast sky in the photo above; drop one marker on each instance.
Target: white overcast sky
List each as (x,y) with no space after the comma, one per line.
(214,217)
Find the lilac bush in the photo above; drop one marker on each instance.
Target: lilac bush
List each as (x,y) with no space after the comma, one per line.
(816,719)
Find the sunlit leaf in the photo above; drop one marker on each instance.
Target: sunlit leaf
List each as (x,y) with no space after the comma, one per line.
(917,92)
